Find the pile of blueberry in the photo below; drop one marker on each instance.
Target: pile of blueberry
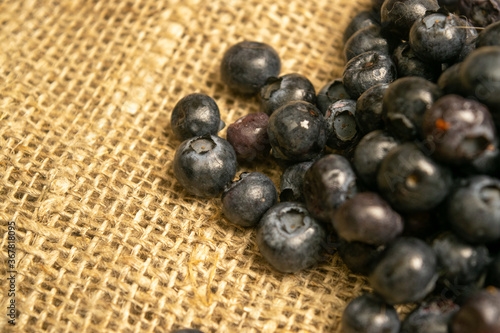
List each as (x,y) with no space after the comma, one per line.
(396,164)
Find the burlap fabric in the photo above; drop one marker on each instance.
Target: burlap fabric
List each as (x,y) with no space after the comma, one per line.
(106,239)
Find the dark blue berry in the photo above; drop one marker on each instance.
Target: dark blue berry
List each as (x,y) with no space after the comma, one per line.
(431,316)
(367,70)
(289,238)
(369,153)
(411,180)
(367,218)
(327,184)
(398,16)
(459,263)
(195,115)
(479,314)
(248,136)
(404,104)
(471,36)
(297,131)
(487,163)
(367,39)
(330,93)
(369,109)
(438,37)
(408,64)
(368,313)
(245,200)
(287,88)
(406,271)
(474,209)
(449,80)
(359,257)
(481,12)
(361,20)
(342,131)
(247,65)
(480,76)
(204,165)
(457,130)
(490,36)
(292,180)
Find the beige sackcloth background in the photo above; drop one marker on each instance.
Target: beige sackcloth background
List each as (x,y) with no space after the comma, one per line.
(107,240)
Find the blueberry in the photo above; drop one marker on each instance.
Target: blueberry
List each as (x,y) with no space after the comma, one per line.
(289,238)
(431,316)
(292,180)
(204,165)
(366,70)
(359,257)
(195,115)
(245,200)
(408,64)
(458,129)
(369,153)
(368,313)
(473,209)
(412,181)
(369,109)
(479,314)
(297,131)
(493,278)
(330,93)
(398,16)
(247,65)
(438,37)
(406,271)
(449,80)
(490,36)
(367,218)
(367,39)
(480,76)
(361,20)
(327,184)
(459,263)
(287,88)
(486,163)
(342,131)
(471,36)
(404,104)
(248,136)
(481,12)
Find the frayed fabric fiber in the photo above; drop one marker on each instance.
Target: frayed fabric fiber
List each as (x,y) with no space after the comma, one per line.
(96,234)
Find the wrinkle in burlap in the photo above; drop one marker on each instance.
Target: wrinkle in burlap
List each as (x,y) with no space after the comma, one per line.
(107,240)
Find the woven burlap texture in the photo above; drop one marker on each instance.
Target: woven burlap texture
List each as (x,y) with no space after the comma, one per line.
(107,240)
